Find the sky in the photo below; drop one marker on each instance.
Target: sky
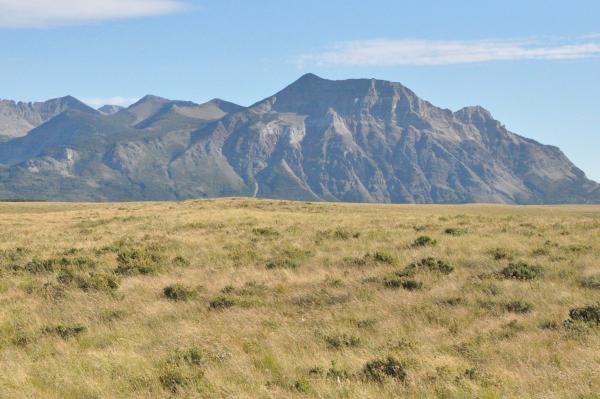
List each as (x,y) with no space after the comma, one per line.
(534,64)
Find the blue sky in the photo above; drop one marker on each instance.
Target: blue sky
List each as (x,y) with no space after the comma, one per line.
(534,64)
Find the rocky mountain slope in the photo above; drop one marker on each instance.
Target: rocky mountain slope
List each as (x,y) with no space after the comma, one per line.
(18,118)
(320,140)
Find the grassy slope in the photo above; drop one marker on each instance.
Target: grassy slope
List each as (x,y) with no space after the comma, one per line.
(455,337)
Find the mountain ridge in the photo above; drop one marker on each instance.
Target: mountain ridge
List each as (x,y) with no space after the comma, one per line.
(355,140)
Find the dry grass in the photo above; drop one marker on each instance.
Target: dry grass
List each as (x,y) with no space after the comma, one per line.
(278,299)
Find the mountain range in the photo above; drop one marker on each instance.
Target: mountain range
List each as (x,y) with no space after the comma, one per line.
(358,140)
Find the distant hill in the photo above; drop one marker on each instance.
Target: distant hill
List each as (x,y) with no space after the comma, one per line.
(359,140)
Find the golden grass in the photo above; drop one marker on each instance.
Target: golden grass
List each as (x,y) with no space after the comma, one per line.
(304,305)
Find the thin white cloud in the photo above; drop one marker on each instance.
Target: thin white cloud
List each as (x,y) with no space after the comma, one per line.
(117,100)
(47,13)
(384,52)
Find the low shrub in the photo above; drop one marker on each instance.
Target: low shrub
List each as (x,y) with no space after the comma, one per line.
(455,231)
(265,232)
(381,370)
(99,282)
(591,282)
(588,314)
(432,264)
(222,302)
(501,253)
(337,234)
(424,241)
(290,258)
(410,285)
(147,260)
(181,370)
(65,332)
(302,385)
(179,292)
(522,271)
(180,261)
(88,282)
(334,372)
(342,341)
(518,306)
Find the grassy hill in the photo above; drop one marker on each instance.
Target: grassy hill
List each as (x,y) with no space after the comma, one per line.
(240,298)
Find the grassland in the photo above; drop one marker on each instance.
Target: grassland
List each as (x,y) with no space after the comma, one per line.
(241,298)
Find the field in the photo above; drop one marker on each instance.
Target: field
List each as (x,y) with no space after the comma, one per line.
(242,298)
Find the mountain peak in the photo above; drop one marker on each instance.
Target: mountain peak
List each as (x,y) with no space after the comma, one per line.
(110,109)
(474,114)
(151,98)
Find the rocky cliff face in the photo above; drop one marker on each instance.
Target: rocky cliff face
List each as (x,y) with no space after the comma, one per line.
(353,140)
(18,118)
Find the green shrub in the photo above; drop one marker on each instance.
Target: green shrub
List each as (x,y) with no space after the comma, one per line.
(222,302)
(432,264)
(65,332)
(92,281)
(522,271)
(99,282)
(380,370)
(588,314)
(424,241)
(140,260)
(591,282)
(179,292)
(518,306)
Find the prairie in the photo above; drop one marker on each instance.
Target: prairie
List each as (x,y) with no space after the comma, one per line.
(244,298)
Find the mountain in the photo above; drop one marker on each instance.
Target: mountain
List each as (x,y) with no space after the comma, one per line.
(359,140)
(110,109)
(18,118)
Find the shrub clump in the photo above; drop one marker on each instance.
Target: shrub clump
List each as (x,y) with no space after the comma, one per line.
(342,341)
(588,314)
(289,259)
(406,284)
(518,306)
(65,332)
(500,253)
(179,292)
(522,271)
(424,241)
(222,302)
(89,282)
(337,234)
(591,282)
(381,370)
(265,232)
(182,369)
(454,231)
(432,264)
(140,260)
